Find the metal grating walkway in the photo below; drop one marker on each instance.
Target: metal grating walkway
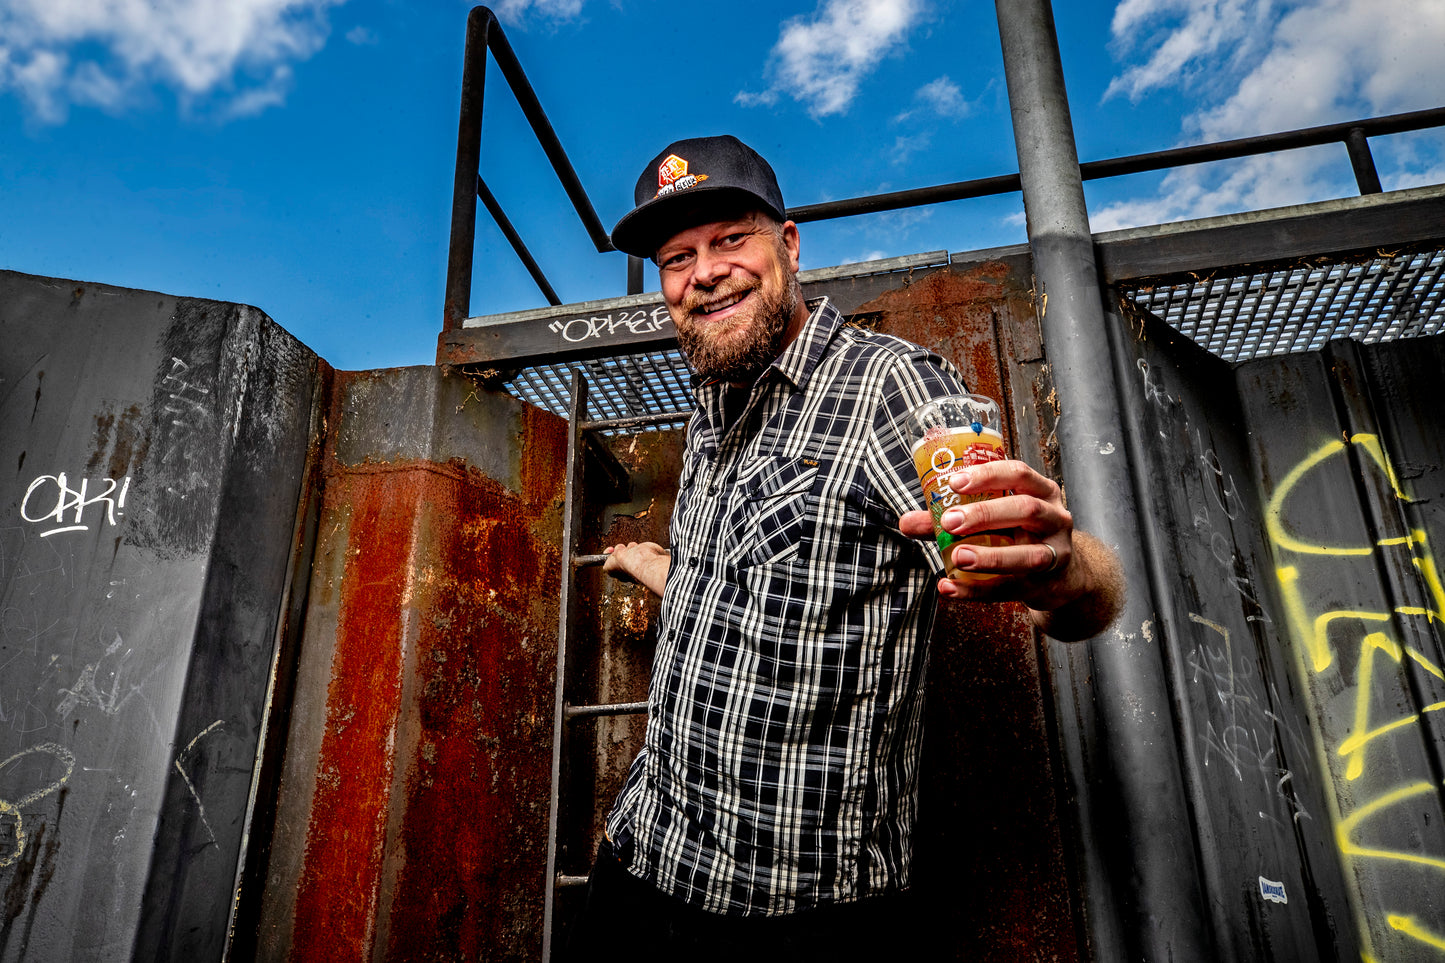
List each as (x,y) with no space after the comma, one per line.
(1236,313)
(624,386)
(1255,313)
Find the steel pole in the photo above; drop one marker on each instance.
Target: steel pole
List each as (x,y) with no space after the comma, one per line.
(457,304)
(1141,884)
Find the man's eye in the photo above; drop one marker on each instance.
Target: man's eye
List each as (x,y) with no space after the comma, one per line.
(675,260)
(733,240)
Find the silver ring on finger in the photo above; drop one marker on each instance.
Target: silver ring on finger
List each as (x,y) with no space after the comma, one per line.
(1053,557)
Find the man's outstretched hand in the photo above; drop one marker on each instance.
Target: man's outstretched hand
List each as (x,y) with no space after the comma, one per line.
(1070,581)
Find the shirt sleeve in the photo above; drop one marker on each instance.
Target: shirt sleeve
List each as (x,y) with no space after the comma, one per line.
(917,376)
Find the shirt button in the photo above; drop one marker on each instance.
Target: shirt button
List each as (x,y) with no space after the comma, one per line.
(692,562)
(712,489)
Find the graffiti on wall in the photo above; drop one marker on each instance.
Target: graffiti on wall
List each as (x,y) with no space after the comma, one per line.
(1363,648)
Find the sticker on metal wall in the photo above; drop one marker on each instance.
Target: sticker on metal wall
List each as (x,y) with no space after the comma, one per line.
(1272,891)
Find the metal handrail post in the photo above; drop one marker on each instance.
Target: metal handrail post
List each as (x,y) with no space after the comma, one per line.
(485,33)
(458,299)
(1139,872)
(1362,161)
(504,224)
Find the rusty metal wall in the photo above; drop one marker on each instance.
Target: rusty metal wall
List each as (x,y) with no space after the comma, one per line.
(276,643)
(994,873)
(412,808)
(153,452)
(1294,506)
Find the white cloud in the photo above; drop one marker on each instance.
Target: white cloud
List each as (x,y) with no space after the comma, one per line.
(906,145)
(516,12)
(943,97)
(361,36)
(1276,68)
(56,53)
(937,98)
(820,61)
(1190,33)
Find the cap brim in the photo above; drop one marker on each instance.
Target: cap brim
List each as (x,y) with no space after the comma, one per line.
(643,230)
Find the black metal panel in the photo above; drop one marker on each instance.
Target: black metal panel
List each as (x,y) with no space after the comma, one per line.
(153,449)
(1350,454)
(1299,615)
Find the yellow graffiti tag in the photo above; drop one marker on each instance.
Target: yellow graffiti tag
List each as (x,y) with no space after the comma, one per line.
(1426,664)
(1313,632)
(1408,926)
(1431,575)
(1354,747)
(13,809)
(1273,511)
(1347,826)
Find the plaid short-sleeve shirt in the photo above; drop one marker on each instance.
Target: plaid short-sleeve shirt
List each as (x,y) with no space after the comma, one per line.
(779,767)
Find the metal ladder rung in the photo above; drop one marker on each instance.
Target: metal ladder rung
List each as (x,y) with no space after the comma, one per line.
(587,561)
(570,882)
(636,421)
(608,709)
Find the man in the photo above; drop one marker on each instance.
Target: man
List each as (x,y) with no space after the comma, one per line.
(770,810)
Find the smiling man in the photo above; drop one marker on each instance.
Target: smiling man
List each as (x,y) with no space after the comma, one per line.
(770,811)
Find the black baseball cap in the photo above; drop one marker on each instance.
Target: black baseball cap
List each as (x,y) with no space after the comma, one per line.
(688,180)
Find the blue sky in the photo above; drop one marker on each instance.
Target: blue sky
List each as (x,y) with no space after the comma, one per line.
(297,154)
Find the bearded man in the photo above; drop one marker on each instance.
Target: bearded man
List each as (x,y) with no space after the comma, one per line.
(771,808)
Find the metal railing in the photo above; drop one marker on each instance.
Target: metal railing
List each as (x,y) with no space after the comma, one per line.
(485,33)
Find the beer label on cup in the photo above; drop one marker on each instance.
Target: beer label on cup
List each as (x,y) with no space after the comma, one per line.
(937,457)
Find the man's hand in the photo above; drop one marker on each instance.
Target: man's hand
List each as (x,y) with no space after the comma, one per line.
(645,563)
(1069,580)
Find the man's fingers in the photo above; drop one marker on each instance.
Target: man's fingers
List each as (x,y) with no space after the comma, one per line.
(1034,515)
(916,524)
(1005,476)
(1022,558)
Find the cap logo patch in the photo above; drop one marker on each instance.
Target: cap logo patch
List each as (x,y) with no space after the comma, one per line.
(672,176)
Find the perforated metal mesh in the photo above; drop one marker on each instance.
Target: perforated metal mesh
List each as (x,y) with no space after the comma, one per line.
(620,387)
(1257,313)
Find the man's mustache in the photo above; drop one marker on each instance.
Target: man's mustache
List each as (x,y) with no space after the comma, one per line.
(725,290)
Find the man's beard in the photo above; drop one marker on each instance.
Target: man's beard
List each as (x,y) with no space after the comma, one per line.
(731,355)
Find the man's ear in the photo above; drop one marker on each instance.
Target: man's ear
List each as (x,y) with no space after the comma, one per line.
(791,242)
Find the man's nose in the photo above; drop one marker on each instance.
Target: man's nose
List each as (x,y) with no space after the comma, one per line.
(709,268)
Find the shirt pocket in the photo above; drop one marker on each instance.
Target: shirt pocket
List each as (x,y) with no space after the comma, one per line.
(779,512)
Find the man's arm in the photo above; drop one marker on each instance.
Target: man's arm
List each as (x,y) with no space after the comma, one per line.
(645,563)
(1071,582)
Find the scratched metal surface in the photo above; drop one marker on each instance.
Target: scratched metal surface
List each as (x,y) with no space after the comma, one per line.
(152,452)
(1292,505)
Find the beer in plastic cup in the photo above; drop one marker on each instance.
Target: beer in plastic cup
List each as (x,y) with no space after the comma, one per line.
(949,434)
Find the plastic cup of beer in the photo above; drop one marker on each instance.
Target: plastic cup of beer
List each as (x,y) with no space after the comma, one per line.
(950,434)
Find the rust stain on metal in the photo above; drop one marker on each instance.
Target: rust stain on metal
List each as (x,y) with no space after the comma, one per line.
(953,312)
(349,809)
(429,814)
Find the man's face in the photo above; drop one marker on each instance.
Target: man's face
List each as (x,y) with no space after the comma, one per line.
(729,287)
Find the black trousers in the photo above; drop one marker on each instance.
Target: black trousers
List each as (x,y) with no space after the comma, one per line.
(625,918)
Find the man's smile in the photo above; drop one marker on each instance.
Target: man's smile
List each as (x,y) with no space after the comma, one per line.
(721,308)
